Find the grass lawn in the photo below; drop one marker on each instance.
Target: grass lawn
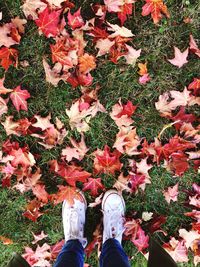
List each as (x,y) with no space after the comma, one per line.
(116,81)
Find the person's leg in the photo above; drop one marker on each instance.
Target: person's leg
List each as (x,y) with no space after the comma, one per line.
(113,207)
(73,215)
(72,255)
(113,254)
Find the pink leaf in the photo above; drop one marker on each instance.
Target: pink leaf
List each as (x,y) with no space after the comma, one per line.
(180,58)
(19,97)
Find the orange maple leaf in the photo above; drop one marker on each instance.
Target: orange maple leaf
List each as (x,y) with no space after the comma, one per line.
(8,56)
(86,63)
(156,8)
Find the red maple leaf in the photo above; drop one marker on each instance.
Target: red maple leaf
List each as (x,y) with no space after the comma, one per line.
(8,56)
(136,180)
(156,223)
(126,9)
(93,184)
(141,241)
(179,163)
(128,109)
(70,173)
(60,53)
(156,8)
(106,161)
(195,86)
(48,22)
(175,144)
(32,210)
(75,20)
(40,192)
(19,97)
(182,117)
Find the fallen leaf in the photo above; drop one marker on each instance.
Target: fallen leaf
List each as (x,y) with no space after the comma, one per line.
(171,193)
(19,98)
(180,58)
(93,184)
(48,22)
(155,8)
(8,56)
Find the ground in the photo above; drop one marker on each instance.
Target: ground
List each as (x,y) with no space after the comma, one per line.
(116,81)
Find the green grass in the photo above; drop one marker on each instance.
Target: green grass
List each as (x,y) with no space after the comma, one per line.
(115,81)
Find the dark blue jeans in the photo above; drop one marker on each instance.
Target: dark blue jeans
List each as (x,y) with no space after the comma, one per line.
(112,255)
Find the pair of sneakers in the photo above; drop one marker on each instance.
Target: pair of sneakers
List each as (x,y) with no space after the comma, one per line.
(113,208)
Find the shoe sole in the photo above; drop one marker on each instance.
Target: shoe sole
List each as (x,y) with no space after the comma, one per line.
(110,192)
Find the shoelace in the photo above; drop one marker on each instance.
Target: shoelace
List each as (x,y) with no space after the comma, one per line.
(75,227)
(115,223)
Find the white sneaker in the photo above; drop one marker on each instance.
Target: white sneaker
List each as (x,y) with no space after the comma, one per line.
(74,219)
(113,207)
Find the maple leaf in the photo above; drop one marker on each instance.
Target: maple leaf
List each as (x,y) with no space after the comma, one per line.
(48,22)
(31,8)
(171,193)
(42,122)
(142,69)
(70,173)
(177,250)
(38,237)
(132,55)
(21,157)
(136,180)
(119,31)
(8,56)
(66,193)
(78,151)
(141,241)
(33,210)
(189,237)
(179,163)
(19,24)
(93,184)
(62,52)
(39,257)
(121,113)
(144,79)
(193,46)
(53,75)
(104,46)
(180,58)
(5,35)
(10,126)
(40,192)
(75,20)
(122,183)
(19,98)
(195,86)
(126,9)
(5,240)
(179,98)
(56,3)
(114,5)
(4,90)
(3,106)
(79,118)
(127,141)
(86,63)
(106,161)
(181,117)
(156,8)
